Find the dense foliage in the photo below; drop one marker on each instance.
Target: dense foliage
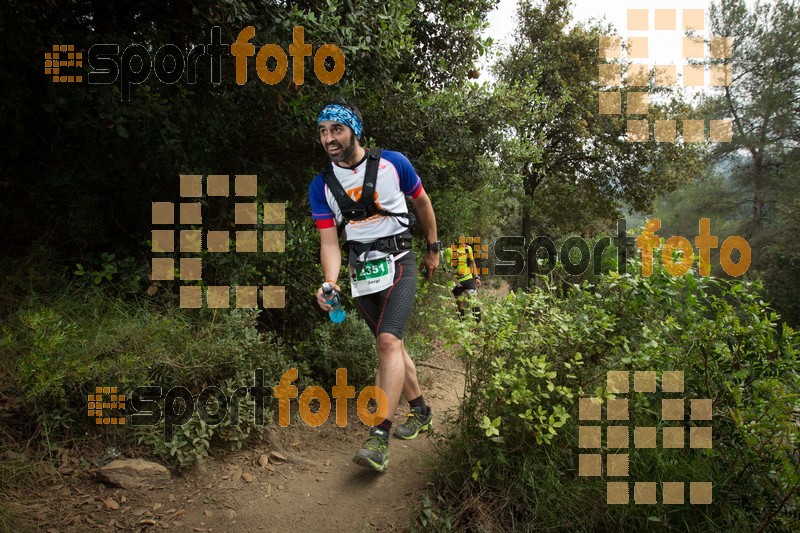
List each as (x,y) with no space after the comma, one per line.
(62,348)
(750,186)
(525,154)
(534,355)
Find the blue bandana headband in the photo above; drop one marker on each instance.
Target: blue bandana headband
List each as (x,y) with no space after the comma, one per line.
(339,113)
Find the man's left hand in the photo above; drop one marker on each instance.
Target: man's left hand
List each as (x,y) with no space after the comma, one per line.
(430,262)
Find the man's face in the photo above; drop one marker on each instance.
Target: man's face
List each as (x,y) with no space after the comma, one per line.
(338,140)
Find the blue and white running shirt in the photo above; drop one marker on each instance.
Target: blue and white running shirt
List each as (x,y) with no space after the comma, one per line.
(396,180)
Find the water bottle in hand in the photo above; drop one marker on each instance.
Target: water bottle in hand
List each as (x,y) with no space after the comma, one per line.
(337,314)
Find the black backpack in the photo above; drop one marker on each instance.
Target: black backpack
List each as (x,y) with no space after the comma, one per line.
(365,207)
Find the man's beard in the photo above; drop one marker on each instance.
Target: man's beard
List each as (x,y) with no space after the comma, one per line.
(345,152)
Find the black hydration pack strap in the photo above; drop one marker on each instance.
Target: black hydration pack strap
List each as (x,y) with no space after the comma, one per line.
(370,178)
(365,207)
(351,210)
(389,245)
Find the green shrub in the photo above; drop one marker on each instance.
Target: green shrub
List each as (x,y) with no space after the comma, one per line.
(190,442)
(431,302)
(63,348)
(349,345)
(297,270)
(535,353)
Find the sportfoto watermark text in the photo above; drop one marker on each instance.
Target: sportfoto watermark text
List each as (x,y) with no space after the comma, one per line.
(133,65)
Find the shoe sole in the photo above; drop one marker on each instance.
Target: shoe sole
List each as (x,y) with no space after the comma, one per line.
(369,463)
(421,429)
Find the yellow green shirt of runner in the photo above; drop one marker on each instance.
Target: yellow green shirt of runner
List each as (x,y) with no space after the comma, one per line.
(460,259)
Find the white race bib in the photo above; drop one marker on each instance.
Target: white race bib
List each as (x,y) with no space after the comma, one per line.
(375,276)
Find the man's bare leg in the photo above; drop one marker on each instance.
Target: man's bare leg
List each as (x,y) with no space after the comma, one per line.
(390,378)
(392,370)
(411,388)
(419,419)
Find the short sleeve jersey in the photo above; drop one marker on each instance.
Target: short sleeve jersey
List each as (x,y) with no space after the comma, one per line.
(463,259)
(396,180)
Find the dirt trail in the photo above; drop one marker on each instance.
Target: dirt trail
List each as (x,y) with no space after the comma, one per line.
(313,485)
(318,487)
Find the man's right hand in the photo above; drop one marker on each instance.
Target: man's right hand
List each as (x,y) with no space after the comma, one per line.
(321,299)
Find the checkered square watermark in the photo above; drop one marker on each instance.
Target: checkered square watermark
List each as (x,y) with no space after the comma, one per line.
(103,400)
(192,242)
(618,438)
(480,252)
(637,73)
(59,60)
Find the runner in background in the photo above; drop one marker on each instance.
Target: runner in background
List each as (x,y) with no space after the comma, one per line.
(461,261)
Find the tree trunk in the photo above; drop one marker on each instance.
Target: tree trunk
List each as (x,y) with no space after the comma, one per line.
(526,235)
(527,227)
(757,222)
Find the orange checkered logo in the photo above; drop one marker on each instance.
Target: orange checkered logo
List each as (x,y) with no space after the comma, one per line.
(61,58)
(618,438)
(479,252)
(106,398)
(635,74)
(192,246)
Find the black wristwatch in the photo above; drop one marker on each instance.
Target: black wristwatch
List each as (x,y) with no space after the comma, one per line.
(434,247)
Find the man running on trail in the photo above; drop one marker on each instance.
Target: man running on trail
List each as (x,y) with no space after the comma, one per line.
(381,263)
(467,283)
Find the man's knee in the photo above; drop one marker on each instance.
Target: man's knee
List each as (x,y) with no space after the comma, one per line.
(388,344)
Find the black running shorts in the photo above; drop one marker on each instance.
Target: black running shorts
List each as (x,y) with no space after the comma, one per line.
(467,286)
(388,311)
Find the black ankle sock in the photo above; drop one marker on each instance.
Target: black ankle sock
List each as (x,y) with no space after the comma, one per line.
(419,404)
(385,425)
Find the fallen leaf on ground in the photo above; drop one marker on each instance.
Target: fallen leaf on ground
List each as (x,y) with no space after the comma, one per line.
(111,503)
(276,457)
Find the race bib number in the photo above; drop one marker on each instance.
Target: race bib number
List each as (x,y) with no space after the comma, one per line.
(375,276)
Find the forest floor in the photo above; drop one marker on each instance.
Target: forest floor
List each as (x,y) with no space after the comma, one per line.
(310,485)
